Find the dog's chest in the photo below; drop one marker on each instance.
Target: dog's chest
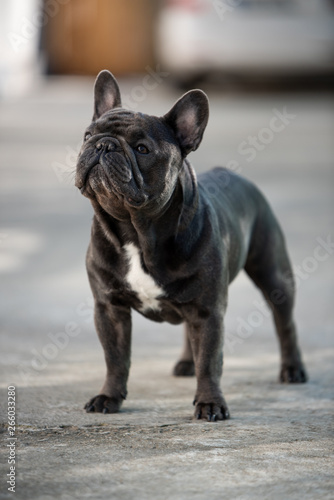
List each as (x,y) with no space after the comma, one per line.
(141,282)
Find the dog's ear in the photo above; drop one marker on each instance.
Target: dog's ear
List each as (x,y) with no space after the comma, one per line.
(188,118)
(106,94)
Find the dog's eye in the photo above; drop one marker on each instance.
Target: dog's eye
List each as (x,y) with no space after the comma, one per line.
(88,135)
(142,149)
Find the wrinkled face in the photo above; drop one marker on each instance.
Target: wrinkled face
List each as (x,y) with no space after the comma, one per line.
(128,160)
(131,161)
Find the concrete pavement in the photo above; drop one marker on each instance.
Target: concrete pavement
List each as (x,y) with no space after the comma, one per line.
(279,441)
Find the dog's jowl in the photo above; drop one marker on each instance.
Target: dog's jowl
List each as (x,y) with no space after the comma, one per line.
(167,243)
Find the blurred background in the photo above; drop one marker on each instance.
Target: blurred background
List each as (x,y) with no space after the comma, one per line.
(236,41)
(267,67)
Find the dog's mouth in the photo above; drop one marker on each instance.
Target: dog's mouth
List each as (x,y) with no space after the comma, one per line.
(98,182)
(105,170)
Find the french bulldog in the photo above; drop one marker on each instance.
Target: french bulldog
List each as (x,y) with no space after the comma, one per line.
(167,244)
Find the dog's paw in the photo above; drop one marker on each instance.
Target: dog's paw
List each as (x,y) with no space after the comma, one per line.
(184,369)
(293,374)
(212,411)
(103,404)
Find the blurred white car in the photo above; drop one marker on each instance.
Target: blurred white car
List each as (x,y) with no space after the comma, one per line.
(249,36)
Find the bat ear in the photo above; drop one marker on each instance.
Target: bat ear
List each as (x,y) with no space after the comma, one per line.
(188,118)
(106,94)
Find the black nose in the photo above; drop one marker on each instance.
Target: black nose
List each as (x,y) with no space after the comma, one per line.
(106,144)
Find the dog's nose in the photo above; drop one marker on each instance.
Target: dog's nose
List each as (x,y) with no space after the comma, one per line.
(106,144)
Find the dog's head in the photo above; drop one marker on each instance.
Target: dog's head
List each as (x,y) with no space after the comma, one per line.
(131,161)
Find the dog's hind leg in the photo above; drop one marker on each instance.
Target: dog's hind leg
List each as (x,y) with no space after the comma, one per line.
(269,267)
(185,367)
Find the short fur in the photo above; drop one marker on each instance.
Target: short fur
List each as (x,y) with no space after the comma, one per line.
(189,236)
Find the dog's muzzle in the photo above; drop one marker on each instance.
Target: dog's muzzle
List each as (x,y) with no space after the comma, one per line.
(107,153)
(109,164)
(113,160)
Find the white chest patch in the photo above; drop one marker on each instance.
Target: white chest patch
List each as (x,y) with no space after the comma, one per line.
(140,282)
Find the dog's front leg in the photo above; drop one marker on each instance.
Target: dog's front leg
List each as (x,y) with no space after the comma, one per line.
(113,325)
(206,338)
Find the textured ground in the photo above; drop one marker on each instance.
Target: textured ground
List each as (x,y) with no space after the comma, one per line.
(279,441)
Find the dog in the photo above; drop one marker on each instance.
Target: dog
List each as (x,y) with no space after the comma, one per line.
(167,244)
